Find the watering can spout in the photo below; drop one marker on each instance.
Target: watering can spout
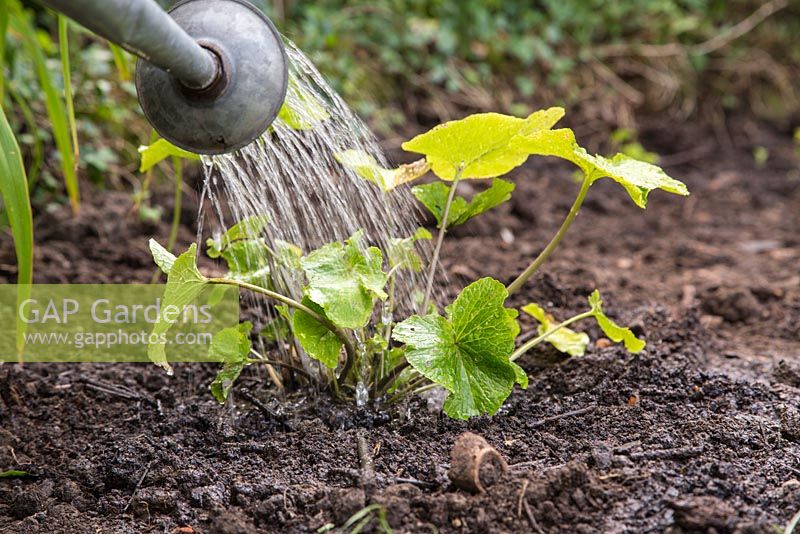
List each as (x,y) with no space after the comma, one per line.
(211,75)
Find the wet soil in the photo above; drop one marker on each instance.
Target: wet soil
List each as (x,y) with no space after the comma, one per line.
(700,433)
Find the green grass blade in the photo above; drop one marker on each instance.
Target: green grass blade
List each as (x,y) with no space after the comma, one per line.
(121,62)
(37,157)
(14,188)
(3,28)
(66,72)
(20,21)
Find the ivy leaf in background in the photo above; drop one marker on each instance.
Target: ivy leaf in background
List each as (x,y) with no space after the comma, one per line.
(163,257)
(434,197)
(231,346)
(563,339)
(365,166)
(345,279)
(637,177)
(315,338)
(401,253)
(611,329)
(468,351)
(484,145)
(161,150)
(184,284)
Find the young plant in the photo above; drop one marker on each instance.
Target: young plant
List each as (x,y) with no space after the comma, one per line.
(470,350)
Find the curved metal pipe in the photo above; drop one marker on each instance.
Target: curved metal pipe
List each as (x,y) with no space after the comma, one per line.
(142,28)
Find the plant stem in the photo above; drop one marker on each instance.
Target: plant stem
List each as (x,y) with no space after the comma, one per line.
(390,377)
(514,286)
(276,363)
(176,212)
(535,341)
(439,241)
(349,348)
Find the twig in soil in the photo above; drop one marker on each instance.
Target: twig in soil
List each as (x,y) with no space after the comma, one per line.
(367,466)
(112,389)
(138,485)
(668,454)
(564,415)
(258,404)
(531,519)
(522,496)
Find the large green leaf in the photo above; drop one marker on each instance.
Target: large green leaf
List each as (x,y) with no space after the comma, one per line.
(563,339)
(184,285)
(483,145)
(14,189)
(434,197)
(345,280)
(468,351)
(231,346)
(160,150)
(637,177)
(315,338)
(614,332)
(21,23)
(368,168)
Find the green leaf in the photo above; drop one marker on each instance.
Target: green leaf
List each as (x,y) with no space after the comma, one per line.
(365,166)
(345,280)
(467,352)
(563,339)
(287,255)
(184,284)
(611,329)
(21,23)
(120,62)
(315,338)
(247,228)
(13,473)
(163,257)
(301,110)
(14,190)
(483,145)
(159,151)
(434,197)
(247,260)
(637,177)
(401,253)
(232,347)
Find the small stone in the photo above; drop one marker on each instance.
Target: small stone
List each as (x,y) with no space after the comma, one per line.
(603,343)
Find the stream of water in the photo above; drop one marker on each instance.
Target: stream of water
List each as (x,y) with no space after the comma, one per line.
(292,176)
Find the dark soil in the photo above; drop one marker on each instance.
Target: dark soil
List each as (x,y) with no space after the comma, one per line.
(700,433)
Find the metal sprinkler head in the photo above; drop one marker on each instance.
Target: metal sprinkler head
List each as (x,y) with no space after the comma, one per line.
(244,93)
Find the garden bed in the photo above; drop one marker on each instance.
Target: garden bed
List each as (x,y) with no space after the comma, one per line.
(699,432)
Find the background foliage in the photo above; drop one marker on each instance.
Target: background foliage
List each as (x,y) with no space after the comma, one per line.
(434,57)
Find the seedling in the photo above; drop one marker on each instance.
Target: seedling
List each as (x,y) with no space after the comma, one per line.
(470,349)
